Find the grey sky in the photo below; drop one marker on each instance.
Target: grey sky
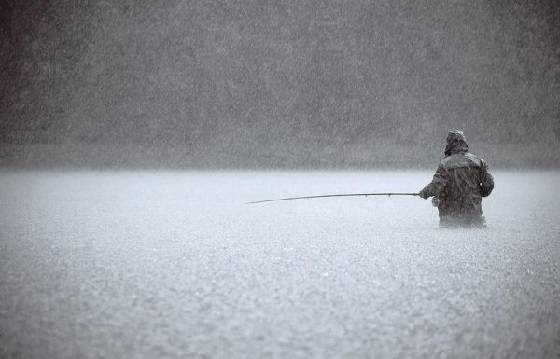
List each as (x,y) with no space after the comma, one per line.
(278,84)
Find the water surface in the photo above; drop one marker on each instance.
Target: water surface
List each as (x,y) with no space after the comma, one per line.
(139,264)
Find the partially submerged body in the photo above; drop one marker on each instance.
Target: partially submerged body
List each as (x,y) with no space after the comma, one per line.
(460,182)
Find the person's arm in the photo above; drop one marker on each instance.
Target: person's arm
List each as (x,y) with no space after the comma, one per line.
(486,180)
(437,185)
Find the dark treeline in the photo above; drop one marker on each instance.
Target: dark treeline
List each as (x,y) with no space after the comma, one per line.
(321,84)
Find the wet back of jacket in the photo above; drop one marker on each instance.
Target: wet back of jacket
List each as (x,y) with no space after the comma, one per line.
(460,182)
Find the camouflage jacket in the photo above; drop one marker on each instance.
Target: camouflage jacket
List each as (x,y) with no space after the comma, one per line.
(460,182)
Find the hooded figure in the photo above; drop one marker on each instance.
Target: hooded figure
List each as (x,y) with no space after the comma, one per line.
(460,182)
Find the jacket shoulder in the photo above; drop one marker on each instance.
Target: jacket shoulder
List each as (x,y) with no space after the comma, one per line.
(461,160)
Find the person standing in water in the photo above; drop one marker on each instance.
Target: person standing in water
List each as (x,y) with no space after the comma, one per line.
(459,184)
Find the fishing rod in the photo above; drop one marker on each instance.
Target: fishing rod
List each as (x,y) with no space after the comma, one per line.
(338,195)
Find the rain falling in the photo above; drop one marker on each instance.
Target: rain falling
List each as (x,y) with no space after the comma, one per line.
(134,134)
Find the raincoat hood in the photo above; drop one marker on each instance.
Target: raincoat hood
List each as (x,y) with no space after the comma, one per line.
(456,143)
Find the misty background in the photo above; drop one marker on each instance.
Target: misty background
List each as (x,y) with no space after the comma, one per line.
(267,84)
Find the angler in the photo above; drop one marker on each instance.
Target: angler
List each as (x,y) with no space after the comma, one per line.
(459,184)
